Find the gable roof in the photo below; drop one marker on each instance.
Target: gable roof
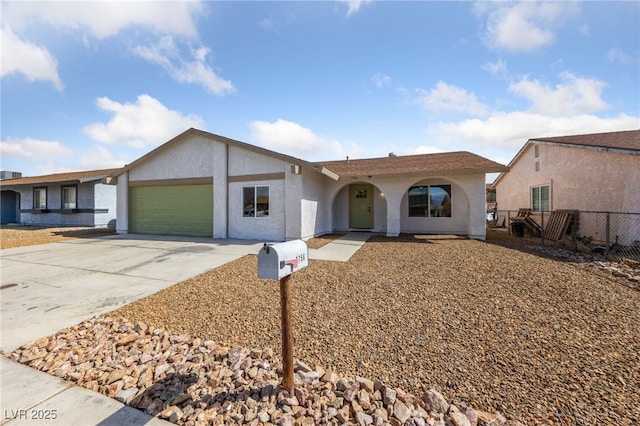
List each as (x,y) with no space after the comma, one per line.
(624,142)
(60,178)
(448,162)
(190,132)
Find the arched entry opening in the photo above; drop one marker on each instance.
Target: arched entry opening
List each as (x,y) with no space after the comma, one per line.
(359,206)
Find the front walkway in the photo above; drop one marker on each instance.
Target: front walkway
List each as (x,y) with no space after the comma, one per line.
(342,249)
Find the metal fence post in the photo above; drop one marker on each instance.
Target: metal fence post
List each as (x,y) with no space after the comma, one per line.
(509,221)
(542,226)
(607,233)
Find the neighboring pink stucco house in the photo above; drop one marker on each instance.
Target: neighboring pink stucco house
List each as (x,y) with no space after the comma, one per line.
(593,172)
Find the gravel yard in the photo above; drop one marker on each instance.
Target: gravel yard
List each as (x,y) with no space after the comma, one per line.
(541,340)
(19,236)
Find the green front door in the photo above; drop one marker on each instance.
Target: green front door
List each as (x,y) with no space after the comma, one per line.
(360,206)
(172,210)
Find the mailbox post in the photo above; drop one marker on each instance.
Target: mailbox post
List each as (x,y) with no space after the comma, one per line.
(279,262)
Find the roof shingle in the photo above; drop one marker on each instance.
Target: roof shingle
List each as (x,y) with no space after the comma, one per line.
(629,140)
(448,162)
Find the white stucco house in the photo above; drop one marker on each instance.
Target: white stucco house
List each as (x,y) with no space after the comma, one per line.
(202,184)
(61,199)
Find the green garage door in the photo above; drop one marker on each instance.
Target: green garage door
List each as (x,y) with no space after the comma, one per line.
(172,210)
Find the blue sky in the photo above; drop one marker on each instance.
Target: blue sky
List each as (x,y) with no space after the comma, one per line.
(91,85)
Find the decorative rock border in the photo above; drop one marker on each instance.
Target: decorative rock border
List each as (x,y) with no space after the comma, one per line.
(188,381)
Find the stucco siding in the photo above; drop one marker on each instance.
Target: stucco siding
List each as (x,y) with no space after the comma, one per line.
(105,199)
(122,209)
(578,178)
(244,162)
(340,211)
(192,157)
(314,205)
(220,191)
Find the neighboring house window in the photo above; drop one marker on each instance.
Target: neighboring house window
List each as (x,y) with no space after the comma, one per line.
(255,201)
(40,198)
(540,198)
(430,201)
(536,150)
(69,197)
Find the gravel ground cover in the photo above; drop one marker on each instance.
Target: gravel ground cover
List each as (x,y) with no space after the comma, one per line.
(540,340)
(19,236)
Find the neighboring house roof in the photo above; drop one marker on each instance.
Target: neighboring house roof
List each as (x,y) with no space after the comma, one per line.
(59,178)
(232,142)
(449,163)
(627,140)
(624,142)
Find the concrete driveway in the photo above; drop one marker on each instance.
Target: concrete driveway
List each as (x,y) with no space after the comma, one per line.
(48,287)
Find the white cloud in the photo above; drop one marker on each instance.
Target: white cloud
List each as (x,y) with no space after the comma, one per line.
(34,62)
(498,67)
(380,80)
(524,26)
(193,70)
(447,97)
(619,55)
(49,167)
(511,130)
(425,149)
(266,24)
(354,6)
(103,19)
(568,108)
(574,96)
(293,139)
(99,157)
(584,29)
(147,122)
(30,148)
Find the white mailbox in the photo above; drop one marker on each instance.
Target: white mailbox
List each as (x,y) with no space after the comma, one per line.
(276,261)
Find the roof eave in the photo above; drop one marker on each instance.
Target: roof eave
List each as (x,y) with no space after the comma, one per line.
(327,172)
(599,148)
(496,169)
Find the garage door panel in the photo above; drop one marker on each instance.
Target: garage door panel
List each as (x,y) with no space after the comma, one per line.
(172,210)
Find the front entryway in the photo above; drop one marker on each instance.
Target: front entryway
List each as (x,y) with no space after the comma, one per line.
(360,206)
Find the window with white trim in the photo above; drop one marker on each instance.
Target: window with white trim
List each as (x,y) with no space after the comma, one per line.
(40,198)
(69,197)
(255,201)
(540,198)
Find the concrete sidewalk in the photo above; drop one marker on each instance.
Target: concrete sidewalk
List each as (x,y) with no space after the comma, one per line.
(47,288)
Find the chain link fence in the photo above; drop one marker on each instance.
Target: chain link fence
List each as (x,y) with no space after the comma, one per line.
(613,234)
